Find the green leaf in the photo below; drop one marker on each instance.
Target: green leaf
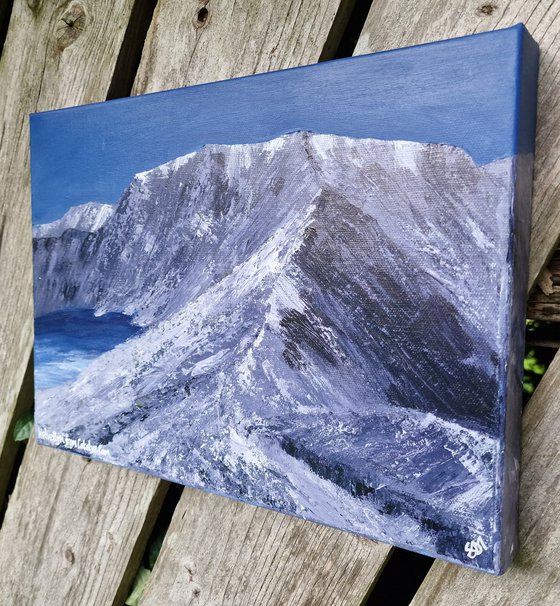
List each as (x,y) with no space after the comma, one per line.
(155,548)
(23,427)
(138,587)
(532,364)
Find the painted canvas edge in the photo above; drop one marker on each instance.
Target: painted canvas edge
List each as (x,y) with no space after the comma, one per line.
(511,404)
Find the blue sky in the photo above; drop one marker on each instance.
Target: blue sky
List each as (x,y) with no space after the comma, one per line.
(462,92)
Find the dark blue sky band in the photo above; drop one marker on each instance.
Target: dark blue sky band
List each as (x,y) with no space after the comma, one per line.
(470,92)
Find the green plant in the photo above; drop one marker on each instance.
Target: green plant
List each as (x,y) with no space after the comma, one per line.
(143,575)
(138,586)
(534,365)
(23,427)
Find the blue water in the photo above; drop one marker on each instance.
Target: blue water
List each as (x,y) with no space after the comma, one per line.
(68,341)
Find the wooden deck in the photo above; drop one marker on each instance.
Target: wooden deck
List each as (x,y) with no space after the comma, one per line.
(75,531)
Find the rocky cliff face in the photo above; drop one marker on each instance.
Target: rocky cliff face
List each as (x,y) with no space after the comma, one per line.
(309,303)
(85,217)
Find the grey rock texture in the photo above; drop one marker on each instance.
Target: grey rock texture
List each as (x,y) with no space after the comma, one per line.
(324,327)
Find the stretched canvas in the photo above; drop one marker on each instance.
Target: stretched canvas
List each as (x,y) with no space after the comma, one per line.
(303,289)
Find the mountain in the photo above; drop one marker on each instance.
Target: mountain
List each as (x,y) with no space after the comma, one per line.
(404,262)
(323,327)
(87,217)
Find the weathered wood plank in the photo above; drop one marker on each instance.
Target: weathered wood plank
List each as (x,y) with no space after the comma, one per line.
(46,63)
(544,303)
(220,551)
(56,54)
(200,41)
(266,552)
(534,577)
(396,23)
(71,533)
(24,405)
(5,11)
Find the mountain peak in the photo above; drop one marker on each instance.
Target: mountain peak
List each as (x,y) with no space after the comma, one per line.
(88,217)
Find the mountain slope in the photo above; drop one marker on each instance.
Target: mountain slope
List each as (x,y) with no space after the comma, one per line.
(322,315)
(222,202)
(407,268)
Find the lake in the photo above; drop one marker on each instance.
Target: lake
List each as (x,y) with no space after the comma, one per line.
(67,341)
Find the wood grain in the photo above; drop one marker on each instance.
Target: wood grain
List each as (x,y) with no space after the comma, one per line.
(71,533)
(534,577)
(544,303)
(220,551)
(46,63)
(396,23)
(192,42)
(5,11)
(242,554)
(11,450)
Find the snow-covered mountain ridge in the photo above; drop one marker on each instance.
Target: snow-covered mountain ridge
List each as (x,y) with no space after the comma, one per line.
(335,301)
(417,227)
(88,217)
(171,218)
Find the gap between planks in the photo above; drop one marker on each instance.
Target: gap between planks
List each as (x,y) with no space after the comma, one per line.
(544,303)
(5,12)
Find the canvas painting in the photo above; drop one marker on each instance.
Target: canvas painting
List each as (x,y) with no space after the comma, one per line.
(303,289)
